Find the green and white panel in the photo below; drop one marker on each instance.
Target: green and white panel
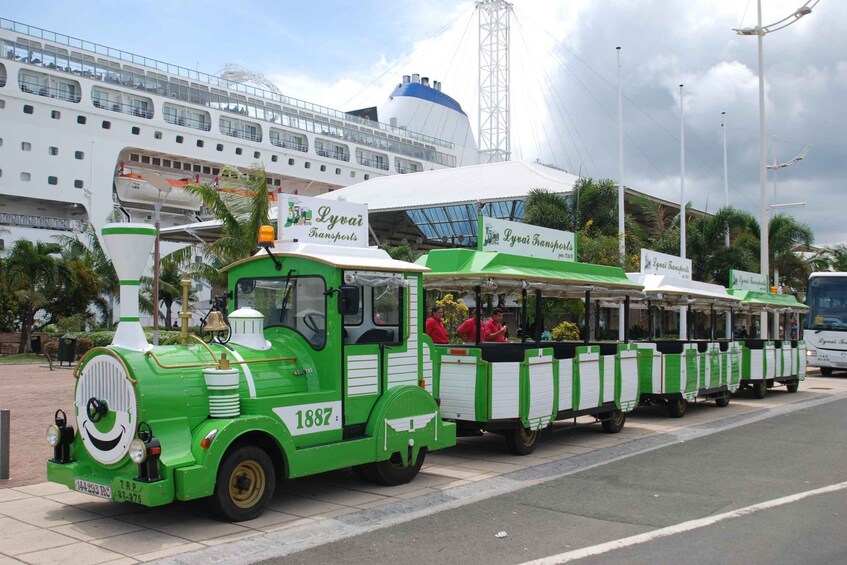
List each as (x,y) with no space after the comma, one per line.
(628,363)
(674,373)
(505,390)
(362,375)
(693,370)
(608,377)
(541,389)
(757,364)
(426,366)
(770,360)
(658,368)
(566,384)
(801,360)
(713,366)
(403,365)
(589,379)
(458,387)
(733,366)
(787,366)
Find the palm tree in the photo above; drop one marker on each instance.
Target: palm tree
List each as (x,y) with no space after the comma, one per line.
(30,271)
(547,209)
(86,249)
(591,212)
(706,236)
(170,292)
(240,219)
(785,233)
(830,259)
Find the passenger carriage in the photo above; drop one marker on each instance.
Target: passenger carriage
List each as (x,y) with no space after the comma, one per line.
(777,361)
(517,389)
(679,370)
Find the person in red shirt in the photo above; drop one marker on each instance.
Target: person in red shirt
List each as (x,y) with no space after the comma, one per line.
(467,330)
(494,330)
(435,327)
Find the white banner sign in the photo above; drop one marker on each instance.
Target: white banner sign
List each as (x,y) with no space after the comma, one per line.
(318,220)
(526,239)
(744,280)
(655,263)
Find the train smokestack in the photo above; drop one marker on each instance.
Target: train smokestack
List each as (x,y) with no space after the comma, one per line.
(129,247)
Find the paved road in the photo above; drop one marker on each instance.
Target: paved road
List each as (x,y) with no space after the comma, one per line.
(44,522)
(726,471)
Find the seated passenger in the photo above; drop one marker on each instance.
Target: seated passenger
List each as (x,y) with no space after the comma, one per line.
(467,330)
(494,330)
(435,327)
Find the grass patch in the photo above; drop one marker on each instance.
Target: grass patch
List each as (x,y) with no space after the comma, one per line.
(22,358)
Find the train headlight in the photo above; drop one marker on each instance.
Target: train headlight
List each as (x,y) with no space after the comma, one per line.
(60,436)
(137,451)
(810,353)
(145,452)
(54,435)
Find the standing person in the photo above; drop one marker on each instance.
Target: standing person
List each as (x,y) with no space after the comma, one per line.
(467,329)
(494,330)
(435,327)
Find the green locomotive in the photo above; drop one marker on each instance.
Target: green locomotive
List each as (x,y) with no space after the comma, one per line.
(320,366)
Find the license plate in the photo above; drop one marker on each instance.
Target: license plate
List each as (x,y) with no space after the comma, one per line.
(103,491)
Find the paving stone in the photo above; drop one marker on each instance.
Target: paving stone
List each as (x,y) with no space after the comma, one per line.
(97,529)
(81,553)
(32,540)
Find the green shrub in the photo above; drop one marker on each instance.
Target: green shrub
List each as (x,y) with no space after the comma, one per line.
(83,344)
(566,331)
(50,348)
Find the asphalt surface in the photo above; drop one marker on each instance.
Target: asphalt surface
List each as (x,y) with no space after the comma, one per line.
(721,472)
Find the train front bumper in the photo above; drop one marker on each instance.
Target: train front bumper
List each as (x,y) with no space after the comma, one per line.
(119,486)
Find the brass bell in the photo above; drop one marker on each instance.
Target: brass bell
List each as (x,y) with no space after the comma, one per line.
(215,322)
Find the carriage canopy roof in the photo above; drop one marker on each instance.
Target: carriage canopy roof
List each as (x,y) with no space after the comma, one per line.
(675,290)
(769,301)
(464,269)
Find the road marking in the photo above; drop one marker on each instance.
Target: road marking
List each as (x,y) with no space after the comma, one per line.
(681,528)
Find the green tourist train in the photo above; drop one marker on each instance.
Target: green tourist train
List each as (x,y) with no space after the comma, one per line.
(323,363)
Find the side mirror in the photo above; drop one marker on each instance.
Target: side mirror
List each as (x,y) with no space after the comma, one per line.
(348,300)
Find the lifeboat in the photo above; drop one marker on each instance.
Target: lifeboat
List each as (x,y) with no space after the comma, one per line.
(134,187)
(148,188)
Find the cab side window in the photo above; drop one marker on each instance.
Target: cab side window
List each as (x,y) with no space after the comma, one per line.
(380,316)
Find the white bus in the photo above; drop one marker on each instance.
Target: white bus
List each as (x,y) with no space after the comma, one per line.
(826,322)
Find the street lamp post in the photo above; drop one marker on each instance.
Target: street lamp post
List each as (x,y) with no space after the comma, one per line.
(759,31)
(158,182)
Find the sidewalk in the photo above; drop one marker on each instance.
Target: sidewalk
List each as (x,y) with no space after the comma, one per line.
(47,523)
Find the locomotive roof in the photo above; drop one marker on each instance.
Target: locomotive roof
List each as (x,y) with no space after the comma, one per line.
(366,258)
(466,268)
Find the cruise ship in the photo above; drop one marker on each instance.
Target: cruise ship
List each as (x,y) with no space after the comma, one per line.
(88,131)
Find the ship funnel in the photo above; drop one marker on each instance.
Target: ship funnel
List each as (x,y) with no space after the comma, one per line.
(129,247)
(416,78)
(425,81)
(406,79)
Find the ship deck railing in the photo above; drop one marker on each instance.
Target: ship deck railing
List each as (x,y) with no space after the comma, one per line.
(29,55)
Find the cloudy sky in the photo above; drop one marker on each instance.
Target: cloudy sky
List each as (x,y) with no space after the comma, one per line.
(347,55)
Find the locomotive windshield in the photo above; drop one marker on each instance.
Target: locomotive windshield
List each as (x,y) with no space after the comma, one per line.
(294,302)
(826,298)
